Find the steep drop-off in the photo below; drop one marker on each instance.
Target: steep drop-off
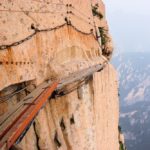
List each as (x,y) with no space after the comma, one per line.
(49,40)
(84,119)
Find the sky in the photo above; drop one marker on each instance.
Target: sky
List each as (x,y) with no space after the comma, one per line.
(129,23)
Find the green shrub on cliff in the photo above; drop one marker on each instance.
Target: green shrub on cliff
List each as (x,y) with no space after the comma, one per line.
(103,35)
(96,12)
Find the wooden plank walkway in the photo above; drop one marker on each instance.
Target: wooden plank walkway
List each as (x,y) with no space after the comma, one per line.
(9,126)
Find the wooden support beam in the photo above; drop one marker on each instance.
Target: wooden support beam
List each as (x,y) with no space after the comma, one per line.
(21,122)
(18,119)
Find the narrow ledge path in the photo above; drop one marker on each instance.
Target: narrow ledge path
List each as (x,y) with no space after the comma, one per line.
(15,123)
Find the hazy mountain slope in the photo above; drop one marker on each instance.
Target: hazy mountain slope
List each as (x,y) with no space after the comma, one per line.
(134,73)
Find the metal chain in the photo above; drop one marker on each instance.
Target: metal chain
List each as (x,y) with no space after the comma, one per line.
(36,30)
(2,47)
(81,31)
(7,97)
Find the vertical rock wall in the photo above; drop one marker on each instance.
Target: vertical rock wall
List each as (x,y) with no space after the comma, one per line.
(86,119)
(29,59)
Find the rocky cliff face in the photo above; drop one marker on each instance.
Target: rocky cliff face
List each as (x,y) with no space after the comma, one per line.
(55,39)
(84,119)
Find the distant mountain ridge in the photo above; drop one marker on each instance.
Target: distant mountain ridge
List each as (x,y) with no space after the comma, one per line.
(134,75)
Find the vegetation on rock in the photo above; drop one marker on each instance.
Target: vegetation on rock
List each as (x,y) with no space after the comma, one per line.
(96,12)
(103,35)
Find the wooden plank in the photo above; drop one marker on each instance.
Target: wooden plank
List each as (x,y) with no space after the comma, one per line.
(28,99)
(12,128)
(79,75)
(27,115)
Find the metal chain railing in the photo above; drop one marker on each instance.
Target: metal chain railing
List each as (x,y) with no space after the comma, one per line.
(36,30)
(82,17)
(17,91)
